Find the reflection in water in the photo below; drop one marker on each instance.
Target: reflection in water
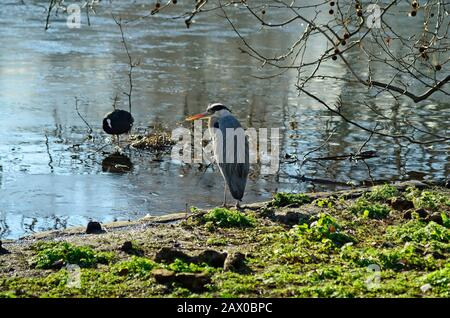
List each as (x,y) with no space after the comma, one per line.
(117,163)
(53,174)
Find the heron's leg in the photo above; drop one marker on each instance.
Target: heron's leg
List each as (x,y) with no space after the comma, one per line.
(238,205)
(225,196)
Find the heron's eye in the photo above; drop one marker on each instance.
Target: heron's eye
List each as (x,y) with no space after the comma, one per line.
(216,124)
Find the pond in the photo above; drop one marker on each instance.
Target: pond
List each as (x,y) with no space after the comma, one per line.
(51,174)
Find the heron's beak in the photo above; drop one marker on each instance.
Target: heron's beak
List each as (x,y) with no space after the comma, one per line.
(198,116)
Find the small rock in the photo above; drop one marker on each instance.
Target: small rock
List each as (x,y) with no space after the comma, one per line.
(94,227)
(210,257)
(291,218)
(195,282)
(407,215)
(235,262)
(127,247)
(58,264)
(438,255)
(3,250)
(425,288)
(163,276)
(401,204)
(177,244)
(422,213)
(123,272)
(436,217)
(169,254)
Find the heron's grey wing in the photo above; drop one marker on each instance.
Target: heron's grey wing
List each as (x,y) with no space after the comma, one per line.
(235,173)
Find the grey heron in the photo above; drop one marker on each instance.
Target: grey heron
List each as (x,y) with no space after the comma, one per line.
(230,146)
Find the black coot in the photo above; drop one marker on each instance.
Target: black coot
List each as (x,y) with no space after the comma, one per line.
(118,122)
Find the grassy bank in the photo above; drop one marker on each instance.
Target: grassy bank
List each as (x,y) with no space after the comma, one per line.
(388,241)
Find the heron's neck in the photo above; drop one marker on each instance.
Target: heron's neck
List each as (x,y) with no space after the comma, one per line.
(221,113)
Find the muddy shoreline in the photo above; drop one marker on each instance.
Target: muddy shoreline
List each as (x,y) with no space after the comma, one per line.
(296,245)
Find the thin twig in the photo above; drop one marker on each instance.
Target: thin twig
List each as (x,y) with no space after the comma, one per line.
(82,118)
(131,65)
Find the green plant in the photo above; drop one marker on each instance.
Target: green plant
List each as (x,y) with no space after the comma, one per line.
(368,209)
(323,203)
(182,266)
(426,199)
(284,199)
(382,193)
(409,256)
(223,217)
(418,231)
(445,220)
(136,266)
(325,227)
(440,279)
(50,252)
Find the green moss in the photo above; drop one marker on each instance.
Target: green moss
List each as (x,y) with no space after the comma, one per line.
(323,203)
(50,252)
(368,209)
(182,266)
(214,241)
(325,227)
(440,280)
(445,220)
(430,200)
(52,285)
(136,266)
(382,193)
(418,231)
(409,256)
(284,199)
(222,217)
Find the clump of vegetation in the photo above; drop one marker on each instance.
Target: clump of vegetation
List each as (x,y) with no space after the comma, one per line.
(285,199)
(324,203)
(332,254)
(368,209)
(440,280)
(445,220)
(430,200)
(222,217)
(306,244)
(159,141)
(419,231)
(325,228)
(136,266)
(410,256)
(51,285)
(382,193)
(48,253)
(181,266)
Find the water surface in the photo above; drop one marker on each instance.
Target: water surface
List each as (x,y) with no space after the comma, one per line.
(52,176)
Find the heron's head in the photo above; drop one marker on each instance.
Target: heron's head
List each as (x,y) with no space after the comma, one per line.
(213,110)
